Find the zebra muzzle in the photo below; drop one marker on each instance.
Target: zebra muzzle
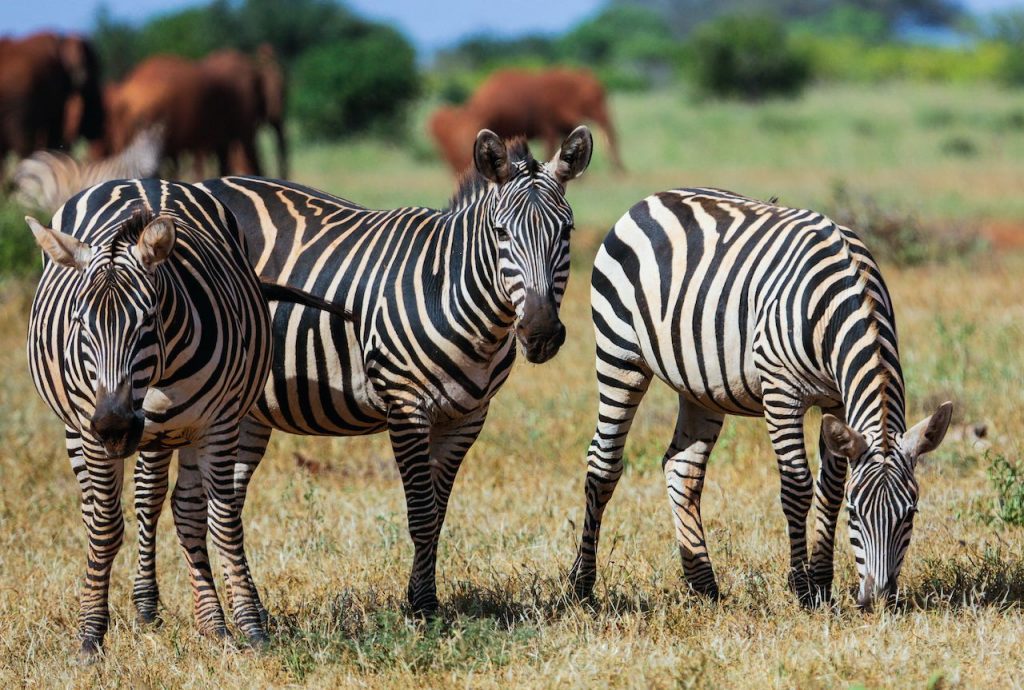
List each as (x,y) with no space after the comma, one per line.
(115,424)
(540,331)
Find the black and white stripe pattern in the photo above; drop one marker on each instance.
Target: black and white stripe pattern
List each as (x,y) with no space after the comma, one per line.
(438,299)
(148,330)
(749,308)
(47,179)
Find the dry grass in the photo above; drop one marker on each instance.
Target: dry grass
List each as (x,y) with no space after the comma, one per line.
(326,525)
(330,551)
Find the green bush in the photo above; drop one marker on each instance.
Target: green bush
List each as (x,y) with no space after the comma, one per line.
(630,47)
(896,236)
(1008,480)
(748,56)
(19,255)
(348,87)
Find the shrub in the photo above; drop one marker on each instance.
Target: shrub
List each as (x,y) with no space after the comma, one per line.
(1008,480)
(897,236)
(19,256)
(347,87)
(748,57)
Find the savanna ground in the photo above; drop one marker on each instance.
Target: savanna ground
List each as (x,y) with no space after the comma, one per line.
(325,521)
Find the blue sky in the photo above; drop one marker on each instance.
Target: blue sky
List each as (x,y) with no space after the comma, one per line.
(431,24)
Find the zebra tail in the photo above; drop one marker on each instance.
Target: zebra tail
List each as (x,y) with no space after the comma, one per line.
(275,292)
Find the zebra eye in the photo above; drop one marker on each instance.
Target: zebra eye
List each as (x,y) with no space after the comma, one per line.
(501,232)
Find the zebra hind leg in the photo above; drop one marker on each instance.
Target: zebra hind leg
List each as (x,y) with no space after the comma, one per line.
(684,464)
(150,491)
(189,506)
(217,454)
(784,415)
(621,386)
(410,440)
(828,499)
(253,440)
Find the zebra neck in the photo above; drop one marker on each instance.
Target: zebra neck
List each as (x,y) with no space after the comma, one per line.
(474,295)
(870,386)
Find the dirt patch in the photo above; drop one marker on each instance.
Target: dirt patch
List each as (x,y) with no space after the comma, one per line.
(1004,234)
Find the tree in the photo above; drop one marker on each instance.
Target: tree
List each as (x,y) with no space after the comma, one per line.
(684,16)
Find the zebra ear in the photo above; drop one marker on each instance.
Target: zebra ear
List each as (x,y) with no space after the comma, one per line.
(61,248)
(574,155)
(155,242)
(926,435)
(840,439)
(491,157)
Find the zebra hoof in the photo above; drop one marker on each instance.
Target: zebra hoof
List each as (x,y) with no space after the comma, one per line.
(424,608)
(148,618)
(800,585)
(90,652)
(710,592)
(581,586)
(216,632)
(257,639)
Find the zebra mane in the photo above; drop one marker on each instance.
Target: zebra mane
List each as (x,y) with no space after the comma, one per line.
(870,305)
(130,229)
(472,185)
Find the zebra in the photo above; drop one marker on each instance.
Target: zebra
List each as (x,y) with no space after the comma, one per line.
(438,299)
(47,179)
(148,331)
(749,308)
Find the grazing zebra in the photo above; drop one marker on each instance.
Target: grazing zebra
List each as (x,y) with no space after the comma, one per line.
(47,179)
(748,308)
(148,330)
(438,298)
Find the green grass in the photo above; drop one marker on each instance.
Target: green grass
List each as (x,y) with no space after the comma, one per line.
(890,141)
(329,548)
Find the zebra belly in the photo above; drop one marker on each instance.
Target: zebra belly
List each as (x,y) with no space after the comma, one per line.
(318,383)
(706,366)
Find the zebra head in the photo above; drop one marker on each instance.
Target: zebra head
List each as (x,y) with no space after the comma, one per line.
(532,221)
(881,496)
(116,339)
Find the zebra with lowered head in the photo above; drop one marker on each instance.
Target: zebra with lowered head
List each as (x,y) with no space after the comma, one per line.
(439,299)
(749,308)
(148,331)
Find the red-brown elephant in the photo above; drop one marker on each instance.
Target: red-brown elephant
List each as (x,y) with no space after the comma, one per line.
(511,102)
(39,74)
(260,87)
(202,113)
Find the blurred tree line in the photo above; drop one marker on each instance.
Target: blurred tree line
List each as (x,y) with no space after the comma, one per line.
(757,48)
(347,75)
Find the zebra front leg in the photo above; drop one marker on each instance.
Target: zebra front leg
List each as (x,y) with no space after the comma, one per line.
(104,518)
(828,499)
(150,492)
(784,415)
(684,465)
(216,458)
(189,506)
(410,440)
(621,387)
